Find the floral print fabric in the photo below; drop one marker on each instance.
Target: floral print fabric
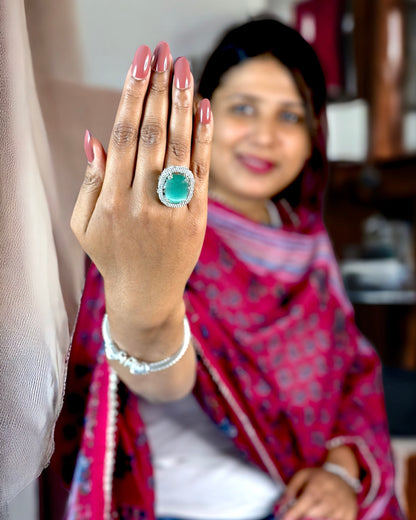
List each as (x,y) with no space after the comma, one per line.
(282,370)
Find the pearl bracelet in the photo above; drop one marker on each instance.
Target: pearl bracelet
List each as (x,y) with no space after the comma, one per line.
(135,366)
(342,473)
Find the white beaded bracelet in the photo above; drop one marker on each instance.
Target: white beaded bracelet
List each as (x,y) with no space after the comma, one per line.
(342,473)
(135,366)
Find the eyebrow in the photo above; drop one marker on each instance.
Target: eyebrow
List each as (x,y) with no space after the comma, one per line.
(250,97)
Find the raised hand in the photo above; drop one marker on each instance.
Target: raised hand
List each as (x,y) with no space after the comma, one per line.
(145,250)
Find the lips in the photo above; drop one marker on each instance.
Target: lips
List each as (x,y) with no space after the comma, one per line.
(255,164)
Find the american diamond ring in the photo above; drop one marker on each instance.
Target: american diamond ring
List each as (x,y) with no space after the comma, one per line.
(176,186)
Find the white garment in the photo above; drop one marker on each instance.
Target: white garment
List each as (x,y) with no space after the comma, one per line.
(198,471)
(34,323)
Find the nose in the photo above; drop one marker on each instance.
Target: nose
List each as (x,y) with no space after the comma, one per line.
(266,131)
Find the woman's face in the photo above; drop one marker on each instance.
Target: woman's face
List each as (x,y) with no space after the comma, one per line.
(261,140)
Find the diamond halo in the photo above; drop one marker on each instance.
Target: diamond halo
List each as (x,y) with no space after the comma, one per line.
(175,193)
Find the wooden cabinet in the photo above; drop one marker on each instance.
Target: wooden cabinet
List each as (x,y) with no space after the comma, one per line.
(380,58)
(355,192)
(385,182)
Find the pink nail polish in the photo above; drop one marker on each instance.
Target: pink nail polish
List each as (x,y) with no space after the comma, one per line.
(182,74)
(205,111)
(141,62)
(160,57)
(89,150)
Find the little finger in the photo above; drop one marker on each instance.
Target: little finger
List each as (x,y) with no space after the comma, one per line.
(201,153)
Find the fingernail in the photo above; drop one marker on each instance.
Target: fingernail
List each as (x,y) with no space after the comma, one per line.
(205,111)
(141,62)
(160,57)
(89,150)
(182,74)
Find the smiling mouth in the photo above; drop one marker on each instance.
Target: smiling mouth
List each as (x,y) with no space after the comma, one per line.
(255,164)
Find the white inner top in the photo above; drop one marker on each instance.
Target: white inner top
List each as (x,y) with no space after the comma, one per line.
(199,473)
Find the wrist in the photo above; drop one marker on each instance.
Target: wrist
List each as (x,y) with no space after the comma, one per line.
(345,457)
(142,311)
(140,367)
(151,337)
(343,474)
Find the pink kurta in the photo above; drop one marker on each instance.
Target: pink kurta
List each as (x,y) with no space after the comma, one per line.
(282,370)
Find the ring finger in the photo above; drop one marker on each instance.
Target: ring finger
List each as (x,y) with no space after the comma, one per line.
(153,130)
(180,124)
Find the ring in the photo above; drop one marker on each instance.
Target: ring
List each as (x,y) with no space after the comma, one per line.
(176,186)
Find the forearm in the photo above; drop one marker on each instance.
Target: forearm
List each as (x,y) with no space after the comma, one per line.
(162,339)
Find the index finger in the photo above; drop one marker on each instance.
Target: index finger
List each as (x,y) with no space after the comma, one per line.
(296,483)
(121,157)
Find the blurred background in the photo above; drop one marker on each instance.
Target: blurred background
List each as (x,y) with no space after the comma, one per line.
(81,50)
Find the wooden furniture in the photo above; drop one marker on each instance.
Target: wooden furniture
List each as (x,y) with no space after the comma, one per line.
(357,191)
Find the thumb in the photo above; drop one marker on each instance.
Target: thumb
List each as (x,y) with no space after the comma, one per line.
(296,483)
(91,186)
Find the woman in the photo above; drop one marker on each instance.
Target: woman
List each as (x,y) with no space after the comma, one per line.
(275,362)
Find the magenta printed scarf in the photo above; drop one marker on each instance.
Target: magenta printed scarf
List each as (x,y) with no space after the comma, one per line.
(282,370)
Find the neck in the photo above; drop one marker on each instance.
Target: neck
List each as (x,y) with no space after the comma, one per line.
(256,210)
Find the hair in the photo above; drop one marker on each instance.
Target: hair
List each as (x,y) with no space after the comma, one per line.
(266,36)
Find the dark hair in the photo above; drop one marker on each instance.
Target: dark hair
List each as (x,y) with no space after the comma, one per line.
(268,36)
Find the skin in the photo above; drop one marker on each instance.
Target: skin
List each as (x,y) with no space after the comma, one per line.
(261,140)
(322,495)
(146,251)
(260,145)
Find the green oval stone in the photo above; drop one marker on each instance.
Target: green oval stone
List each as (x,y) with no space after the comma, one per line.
(176,189)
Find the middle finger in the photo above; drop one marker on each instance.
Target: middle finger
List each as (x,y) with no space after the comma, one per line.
(153,129)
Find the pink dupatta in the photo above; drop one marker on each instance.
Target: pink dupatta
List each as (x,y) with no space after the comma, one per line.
(282,370)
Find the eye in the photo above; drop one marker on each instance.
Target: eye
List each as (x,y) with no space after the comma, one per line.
(242,109)
(288,116)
